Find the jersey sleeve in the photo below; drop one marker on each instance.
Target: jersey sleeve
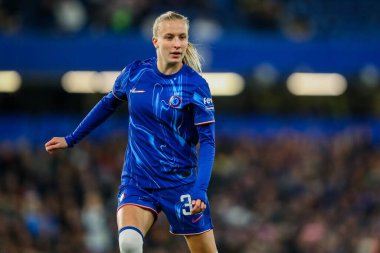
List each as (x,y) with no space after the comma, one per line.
(99,113)
(120,86)
(206,160)
(203,106)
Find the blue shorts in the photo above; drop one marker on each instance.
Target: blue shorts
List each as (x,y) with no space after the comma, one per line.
(174,202)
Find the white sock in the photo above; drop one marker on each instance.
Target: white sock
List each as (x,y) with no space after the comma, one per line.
(130,240)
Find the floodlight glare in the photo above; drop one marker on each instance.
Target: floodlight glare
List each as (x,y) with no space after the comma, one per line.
(221,84)
(313,84)
(224,84)
(10,81)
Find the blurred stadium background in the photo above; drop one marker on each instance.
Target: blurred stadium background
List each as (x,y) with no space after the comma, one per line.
(292,174)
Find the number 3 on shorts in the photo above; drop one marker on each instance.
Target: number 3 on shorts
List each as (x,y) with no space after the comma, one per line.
(186,200)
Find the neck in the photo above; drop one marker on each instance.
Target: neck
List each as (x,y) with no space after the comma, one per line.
(167,68)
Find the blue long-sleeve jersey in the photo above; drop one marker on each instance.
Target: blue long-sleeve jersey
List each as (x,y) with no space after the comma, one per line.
(168,116)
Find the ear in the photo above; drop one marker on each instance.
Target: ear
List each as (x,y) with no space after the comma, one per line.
(155,42)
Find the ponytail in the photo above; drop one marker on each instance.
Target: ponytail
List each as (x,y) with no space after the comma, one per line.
(192,58)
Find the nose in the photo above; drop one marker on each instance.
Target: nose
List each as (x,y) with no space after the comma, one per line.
(177,42)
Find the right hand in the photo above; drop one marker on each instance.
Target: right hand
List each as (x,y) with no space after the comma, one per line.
(198,206)
(55,143)
(199,198)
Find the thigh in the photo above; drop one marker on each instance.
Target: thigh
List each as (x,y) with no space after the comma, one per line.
(136,216)
(202,243)
(136,207)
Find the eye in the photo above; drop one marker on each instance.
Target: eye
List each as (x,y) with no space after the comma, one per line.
(168,37)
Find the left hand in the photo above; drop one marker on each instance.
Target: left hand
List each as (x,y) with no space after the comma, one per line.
(198,206)
(55,144)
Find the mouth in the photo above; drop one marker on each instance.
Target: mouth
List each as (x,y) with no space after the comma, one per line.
(176,54)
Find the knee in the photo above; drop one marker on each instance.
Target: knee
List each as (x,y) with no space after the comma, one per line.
(130,240)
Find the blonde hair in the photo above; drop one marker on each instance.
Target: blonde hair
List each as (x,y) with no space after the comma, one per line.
(192,57)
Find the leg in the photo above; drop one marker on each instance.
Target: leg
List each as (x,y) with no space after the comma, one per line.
(202,243)
(133,223)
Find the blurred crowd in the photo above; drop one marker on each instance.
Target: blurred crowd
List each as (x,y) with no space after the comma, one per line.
(295,18)
(290,192)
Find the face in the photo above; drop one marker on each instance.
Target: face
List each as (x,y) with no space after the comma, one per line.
(171,41)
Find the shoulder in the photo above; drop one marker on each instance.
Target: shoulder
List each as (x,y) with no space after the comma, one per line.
(146,63)
(196,79)
(136,66)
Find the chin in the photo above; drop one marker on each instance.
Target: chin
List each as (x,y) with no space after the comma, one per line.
(175,61)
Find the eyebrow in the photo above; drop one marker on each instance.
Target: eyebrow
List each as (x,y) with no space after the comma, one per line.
(175,34)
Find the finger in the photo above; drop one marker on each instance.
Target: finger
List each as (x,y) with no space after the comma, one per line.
(54,146)
(51,146)
(51,142)
(196,206)
(195,210)
(203,206)
(50,149)
(198,203)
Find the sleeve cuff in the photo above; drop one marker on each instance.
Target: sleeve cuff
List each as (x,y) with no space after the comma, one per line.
(204,122)
(69,141)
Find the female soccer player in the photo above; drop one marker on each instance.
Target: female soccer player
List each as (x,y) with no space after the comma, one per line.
(170,111)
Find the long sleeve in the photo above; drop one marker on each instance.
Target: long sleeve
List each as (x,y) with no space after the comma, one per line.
(206,160)
(99,113)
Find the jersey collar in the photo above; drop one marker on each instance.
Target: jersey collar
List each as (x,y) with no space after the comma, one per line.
(162,74)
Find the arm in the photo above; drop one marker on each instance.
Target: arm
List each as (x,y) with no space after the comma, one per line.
(206,160)
(101,111)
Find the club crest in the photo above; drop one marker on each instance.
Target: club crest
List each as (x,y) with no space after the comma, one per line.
(175,101)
